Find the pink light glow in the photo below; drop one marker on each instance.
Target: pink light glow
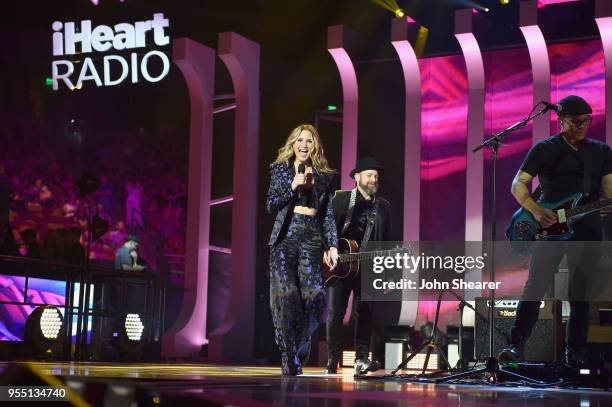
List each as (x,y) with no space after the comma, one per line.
(412,136)
(576,68)
(540,69)
(349,113)
(605,31)
(97,2)
(412,152)
(544,3)
(444,88)
(473,59)
(241,57)
(196,63)
(475,120)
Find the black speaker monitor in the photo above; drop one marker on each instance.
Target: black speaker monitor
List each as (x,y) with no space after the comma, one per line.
(544,344)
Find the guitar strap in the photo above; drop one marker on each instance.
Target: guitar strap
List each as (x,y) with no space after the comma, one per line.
(349,213)
(370,222)
(370,225)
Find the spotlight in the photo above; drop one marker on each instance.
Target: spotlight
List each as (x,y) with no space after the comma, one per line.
(399,13)
(42,329)
(50,323)
(133,327)
(480,9)
(131,341)
(504,2)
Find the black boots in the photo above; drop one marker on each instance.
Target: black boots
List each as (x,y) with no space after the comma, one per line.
(511,353)
(576,358)
(332,366)
(290,366)
(364,365)
(515,351)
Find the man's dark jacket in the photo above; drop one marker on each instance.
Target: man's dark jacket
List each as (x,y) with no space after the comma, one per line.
(382,225)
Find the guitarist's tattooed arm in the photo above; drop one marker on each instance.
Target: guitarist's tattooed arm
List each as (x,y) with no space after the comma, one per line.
(520,191)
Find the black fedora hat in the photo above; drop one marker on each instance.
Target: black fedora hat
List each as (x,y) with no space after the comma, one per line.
(367,163)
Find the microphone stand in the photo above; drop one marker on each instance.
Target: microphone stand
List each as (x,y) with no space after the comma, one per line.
(431,343)
(491,363)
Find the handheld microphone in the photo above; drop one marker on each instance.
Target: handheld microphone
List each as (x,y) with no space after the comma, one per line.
(551,106)
(301,170)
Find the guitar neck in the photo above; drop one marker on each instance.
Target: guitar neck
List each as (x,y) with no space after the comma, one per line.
(588,208)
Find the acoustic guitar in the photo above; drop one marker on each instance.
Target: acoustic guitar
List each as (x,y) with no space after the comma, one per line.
(349,258)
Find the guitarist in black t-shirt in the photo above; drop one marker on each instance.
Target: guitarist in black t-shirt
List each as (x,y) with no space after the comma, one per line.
(363,217)
(565,164)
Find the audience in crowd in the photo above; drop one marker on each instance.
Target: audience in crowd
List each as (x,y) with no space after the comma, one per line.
(44,197)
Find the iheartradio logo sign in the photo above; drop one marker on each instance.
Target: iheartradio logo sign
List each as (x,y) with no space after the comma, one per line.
(75,38)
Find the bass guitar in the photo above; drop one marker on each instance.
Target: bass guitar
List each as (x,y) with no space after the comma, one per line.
(524,230)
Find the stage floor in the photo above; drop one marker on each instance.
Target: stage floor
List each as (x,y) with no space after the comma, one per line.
(218,385)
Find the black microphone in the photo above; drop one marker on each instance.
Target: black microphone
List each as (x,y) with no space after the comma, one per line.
(551,106)
(301,170)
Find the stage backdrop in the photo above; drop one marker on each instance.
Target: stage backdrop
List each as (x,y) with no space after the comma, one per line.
(576,68)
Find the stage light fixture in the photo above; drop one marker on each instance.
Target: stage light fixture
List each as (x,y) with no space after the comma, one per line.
(504,2)
(348,358)
(42,329)
(50,323)
(392,6)
(418,362)
(133,327)
(131,342)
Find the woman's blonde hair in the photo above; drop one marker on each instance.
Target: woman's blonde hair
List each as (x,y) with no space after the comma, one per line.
(317,156)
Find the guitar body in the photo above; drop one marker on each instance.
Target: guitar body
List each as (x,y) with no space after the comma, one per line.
(346,269)
(524,229)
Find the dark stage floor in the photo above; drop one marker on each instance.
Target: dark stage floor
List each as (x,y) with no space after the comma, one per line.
(179,385)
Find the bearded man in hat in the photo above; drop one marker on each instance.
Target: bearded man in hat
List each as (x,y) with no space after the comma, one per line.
(562,163)
(127,257)
(361,216)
